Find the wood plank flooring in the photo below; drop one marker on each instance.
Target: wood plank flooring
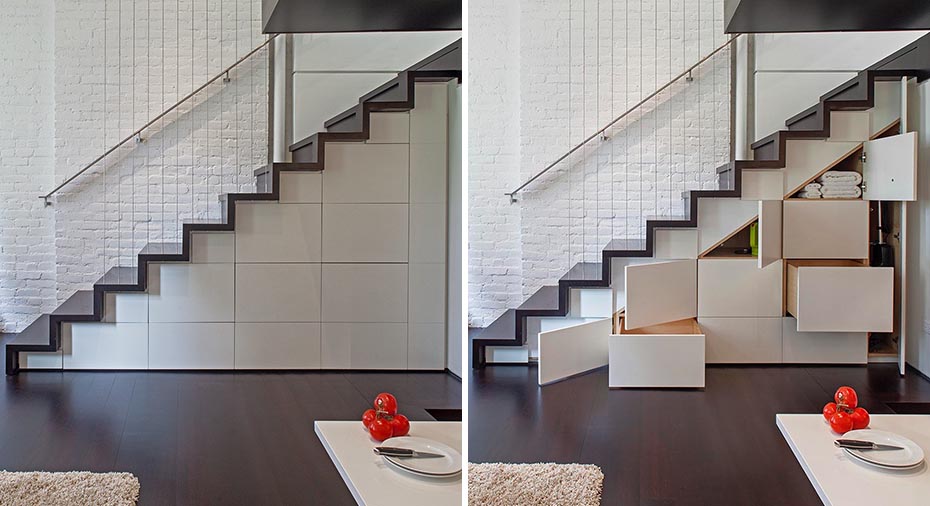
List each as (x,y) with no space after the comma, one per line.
(201,438)
(673,447)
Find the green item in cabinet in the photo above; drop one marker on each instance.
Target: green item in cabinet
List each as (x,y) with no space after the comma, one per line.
(754,238)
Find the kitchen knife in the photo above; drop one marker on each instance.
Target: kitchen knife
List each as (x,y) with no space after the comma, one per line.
(857,444)
(390,451)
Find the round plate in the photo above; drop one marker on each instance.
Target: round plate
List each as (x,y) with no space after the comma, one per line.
(911,455)
(448,465)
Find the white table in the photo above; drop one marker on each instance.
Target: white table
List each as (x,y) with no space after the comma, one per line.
(372,481)
(842,481)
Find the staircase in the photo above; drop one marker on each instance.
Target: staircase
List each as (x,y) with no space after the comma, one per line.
(353,125)
(858,94)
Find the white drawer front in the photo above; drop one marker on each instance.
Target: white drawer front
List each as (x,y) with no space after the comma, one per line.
(736,287)
(845,299)
(823,347)
(655,360)
(743,340)
(826,229)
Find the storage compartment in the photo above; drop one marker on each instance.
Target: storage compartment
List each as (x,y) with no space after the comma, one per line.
(822,347)
(742,340)
(737,245)
(826,229)
(729,287)
(840,296)
(669,355)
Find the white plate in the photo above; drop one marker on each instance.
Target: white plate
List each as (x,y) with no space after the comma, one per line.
(910,456)
(448,465)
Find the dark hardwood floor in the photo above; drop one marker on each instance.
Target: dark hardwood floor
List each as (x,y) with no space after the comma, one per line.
(719,446)
(201,438)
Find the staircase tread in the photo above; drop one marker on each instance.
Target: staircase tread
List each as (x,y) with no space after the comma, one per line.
(584,271)
(35,334)
(80,303)
(500,329)
(626,245)
(546,298)
(161,248)
(120,276)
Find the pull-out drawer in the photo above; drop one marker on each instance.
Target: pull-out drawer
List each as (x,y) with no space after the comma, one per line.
(826,228)
(742,340)
(669,355)
(840,296)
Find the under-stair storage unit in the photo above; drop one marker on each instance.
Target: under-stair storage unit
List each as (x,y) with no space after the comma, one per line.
(826,229)
(840,296)
(667,355)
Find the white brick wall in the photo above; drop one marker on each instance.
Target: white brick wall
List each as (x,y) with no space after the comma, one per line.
(576,70)
(27,257)
(109,67)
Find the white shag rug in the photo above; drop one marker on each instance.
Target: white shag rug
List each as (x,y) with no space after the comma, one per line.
(534,484)
(71,488)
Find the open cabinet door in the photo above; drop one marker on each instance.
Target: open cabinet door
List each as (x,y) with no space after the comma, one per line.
(889,170)
(770,231)
(568,351)
(660,292)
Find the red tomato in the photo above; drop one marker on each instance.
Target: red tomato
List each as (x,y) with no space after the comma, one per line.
(400,424)
(841,423)
(860,418)
(846,396)
(386,403)
(828,410)
(380,429)
(368,416)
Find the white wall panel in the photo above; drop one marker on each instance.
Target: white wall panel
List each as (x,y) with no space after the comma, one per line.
(364,293)
(366,173)
(429,120)
(94,345)
(40,360)
(427,233)
(126,307)
(364,346)
(672,243)
(823,347)
(365,232)
(277,345)
(342,90)
(191,346)
(278,292)
(272,232)
(389,128)
(428,173)
(427,293)
(191,292)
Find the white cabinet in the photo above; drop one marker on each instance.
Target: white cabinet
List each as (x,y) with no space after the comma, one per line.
(742,340)
(822,347)
(826,229)
(669,355)
(840,296)
(889,168)
(762,184)
(736,287)
(770,231)
(660,292)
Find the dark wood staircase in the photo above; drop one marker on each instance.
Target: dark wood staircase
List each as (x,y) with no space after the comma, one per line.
(353,125)
(768,153)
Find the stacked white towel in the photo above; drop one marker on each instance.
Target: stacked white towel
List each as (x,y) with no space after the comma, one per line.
(811,191)
(840,184)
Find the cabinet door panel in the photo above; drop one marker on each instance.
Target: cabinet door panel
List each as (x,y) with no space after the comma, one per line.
(890,168)
(845,299)
(770,231)
(660,292)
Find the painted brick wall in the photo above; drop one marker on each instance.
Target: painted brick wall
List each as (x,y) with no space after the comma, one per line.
(113,66)
(579,65)
(27,258)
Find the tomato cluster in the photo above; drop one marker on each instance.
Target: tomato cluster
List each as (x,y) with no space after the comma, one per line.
(384,421)
(845,414)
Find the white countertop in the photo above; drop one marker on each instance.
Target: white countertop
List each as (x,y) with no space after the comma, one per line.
(842,481)
(374,482)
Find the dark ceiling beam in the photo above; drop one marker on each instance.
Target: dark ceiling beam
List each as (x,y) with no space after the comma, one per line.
(773,16)
(328,16)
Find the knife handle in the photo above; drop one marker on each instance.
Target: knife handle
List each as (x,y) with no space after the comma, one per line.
(853,443)
(390,450)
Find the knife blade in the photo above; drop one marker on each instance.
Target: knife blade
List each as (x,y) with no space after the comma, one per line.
(858,444)
(390,451)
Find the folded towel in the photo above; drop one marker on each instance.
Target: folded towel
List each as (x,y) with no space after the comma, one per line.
(846,193)
(812,186)
(804,194)
(838,176)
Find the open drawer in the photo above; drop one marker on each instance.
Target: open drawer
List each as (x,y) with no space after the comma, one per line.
(840,296)
(669,355)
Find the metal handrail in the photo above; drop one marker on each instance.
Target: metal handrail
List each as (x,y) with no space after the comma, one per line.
(686,73)
(137,133)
